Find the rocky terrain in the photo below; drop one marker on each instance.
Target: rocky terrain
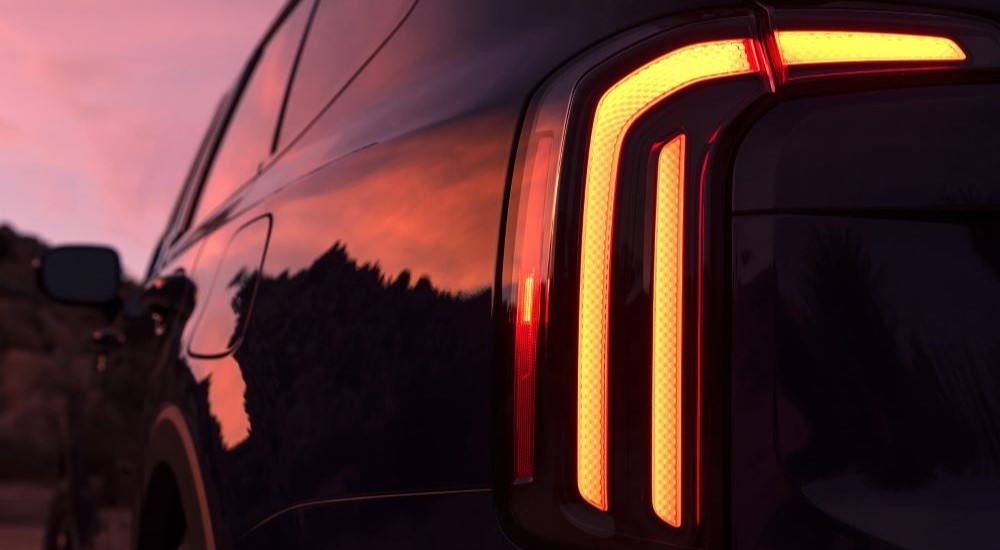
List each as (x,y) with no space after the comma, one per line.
(46,360)
(45,356)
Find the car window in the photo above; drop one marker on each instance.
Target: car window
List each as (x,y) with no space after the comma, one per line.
(343,36)
(248,140)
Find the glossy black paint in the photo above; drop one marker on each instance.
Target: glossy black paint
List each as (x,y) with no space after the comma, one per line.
(333,351)
(365,367)
(457,520)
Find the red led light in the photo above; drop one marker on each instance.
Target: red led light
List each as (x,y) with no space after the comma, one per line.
(530,295)
(814,47)
(617,110)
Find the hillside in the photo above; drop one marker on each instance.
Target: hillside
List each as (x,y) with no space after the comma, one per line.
(45,357)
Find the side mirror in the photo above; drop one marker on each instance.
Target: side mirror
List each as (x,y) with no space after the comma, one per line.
(83,275)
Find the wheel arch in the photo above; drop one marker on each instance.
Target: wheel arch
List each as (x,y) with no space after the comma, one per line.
(171,456)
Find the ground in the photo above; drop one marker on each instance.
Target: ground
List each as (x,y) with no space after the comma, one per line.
(23,508)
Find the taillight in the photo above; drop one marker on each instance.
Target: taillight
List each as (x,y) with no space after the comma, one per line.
(668,313)
(614,275)
(532,236)
(525,346)
(812,47)
(624,103)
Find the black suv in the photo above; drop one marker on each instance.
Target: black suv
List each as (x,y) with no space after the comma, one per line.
(580,274)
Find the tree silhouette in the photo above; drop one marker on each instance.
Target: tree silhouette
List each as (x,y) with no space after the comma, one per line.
(356,383)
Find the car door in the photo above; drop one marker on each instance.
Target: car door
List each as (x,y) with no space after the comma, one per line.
(368,357)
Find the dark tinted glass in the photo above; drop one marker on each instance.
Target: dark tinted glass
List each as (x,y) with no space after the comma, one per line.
(866,376)
(248,139)
(343,35)
(927,147)
(81,274)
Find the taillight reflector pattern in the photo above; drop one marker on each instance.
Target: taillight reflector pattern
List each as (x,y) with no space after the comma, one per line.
(526,347)
(674,481)
(668,281)
(806,47)
(617,110)
(530,277)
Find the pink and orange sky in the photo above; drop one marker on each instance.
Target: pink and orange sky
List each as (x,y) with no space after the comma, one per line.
(102,104)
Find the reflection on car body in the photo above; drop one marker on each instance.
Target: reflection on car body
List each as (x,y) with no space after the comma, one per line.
(550,274)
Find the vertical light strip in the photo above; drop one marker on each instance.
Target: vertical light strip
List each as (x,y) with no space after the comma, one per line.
(530,268)
(616,111)
(528,300)
(526,350)
(668,283)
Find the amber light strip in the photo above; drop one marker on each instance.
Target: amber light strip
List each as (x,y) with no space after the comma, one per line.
(616,111)
(668,281)
(820,47)
(526,347)
(528,301)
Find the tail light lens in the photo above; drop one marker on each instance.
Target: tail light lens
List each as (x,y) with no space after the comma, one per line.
(668,313)
(816,47)
(531,280)
(618,109)
(612,274)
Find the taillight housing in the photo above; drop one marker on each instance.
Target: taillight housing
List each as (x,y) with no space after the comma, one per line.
(613,405)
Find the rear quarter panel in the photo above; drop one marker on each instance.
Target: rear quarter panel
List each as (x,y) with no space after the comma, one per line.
(365,370)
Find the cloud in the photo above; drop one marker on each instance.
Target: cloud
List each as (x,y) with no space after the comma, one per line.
(105,103)
(8,131)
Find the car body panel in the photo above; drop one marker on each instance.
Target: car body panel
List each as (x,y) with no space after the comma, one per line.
(354,407)
(386,213)
(456,519)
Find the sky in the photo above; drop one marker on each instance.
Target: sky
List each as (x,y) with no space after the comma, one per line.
(102,105)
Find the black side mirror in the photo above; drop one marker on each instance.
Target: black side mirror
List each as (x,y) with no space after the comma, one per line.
(83,275)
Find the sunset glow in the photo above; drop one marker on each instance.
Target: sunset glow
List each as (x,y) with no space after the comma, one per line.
(104,105)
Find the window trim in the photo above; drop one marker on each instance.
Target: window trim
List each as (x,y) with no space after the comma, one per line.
(293,139)
(291,76)
(182,218)
(227,110)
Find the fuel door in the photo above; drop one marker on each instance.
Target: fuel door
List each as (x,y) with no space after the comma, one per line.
(228,302)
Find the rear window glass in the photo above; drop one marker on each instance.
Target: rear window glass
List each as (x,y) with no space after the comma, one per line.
(866,382)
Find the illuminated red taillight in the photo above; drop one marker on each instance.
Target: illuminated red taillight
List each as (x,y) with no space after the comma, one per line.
(530,279)
(618,161)
(668,313)
(814,47)
(525,349)
(620,106)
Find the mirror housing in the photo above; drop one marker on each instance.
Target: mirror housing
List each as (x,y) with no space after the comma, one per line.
(81,275)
